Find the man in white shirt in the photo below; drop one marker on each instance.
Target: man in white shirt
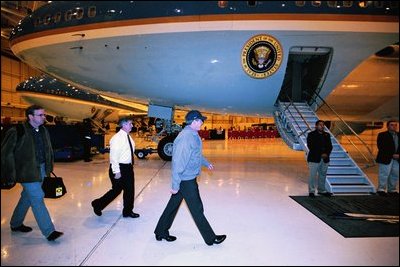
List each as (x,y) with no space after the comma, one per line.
(121,172)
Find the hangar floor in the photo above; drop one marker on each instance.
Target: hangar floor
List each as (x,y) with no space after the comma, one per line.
(246,197)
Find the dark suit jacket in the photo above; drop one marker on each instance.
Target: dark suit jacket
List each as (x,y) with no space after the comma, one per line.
(318,145)
(386,147)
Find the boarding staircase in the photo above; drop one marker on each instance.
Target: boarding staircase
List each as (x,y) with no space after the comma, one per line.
(294,121)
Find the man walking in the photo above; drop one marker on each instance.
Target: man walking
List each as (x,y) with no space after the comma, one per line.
(120,172)
(187,159)
(27,157)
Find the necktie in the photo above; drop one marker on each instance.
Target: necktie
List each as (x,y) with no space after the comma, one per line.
(130,146)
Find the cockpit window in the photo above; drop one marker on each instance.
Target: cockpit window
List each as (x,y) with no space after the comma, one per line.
(92,12)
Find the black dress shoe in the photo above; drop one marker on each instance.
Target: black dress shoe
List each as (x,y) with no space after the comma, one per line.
(21,228)
(326,194)
(96,210)
(381,193)
(219,239)
(54,235)
(132,215)
(168,238)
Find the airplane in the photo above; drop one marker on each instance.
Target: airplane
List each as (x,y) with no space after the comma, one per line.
(227,57)
(67,103)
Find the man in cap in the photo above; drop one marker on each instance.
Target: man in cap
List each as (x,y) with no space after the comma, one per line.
(187,159)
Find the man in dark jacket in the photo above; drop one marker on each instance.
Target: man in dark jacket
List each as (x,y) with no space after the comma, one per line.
(27,158)
(320,147)
(388,159)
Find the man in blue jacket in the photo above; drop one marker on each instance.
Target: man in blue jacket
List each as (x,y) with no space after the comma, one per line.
(187,159)
(388,159)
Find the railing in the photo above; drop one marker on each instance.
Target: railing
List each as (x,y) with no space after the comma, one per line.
(298,112)
(370,158)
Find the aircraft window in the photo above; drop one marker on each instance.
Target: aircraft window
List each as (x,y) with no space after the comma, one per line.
(38,22)
(57,17)
(332,3)
(347,3)
(251,3)
(316,3)
(110,12)
(79,13)
(300,3)
(364,4)
(92,11)
(47,20)
(68,15)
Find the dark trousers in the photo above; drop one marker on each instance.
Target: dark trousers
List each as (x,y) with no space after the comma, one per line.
(189,191)
(126,183)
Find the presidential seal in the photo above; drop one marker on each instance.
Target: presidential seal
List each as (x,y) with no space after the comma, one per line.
(261,56)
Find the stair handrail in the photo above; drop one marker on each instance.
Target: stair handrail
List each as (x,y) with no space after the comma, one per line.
(301,115)
(351,129)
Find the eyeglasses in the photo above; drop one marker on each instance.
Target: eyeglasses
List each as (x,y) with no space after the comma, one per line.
(40,115)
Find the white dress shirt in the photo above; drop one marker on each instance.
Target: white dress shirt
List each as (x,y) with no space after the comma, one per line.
(120,152)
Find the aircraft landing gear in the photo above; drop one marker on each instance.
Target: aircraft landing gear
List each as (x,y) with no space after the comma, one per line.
(165,146)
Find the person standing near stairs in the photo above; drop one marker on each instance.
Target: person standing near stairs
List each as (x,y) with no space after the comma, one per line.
(388,159)
(320,147)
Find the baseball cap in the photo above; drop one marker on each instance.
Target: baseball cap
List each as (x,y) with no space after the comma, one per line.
(193,115)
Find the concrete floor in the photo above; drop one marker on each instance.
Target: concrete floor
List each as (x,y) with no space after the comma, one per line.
(246,197)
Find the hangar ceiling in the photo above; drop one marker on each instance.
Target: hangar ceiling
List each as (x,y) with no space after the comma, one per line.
(11,13)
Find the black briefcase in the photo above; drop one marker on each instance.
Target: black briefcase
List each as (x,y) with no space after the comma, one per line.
(53,187)
(7,183)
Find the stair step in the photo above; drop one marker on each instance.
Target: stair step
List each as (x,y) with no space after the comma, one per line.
(343,170)
(353,188)
(347,180)
(341,162)
(338,154)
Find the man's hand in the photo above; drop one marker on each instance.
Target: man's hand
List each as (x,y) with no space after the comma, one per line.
(173,191)
(396,156)
(117,175)
(324,156)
